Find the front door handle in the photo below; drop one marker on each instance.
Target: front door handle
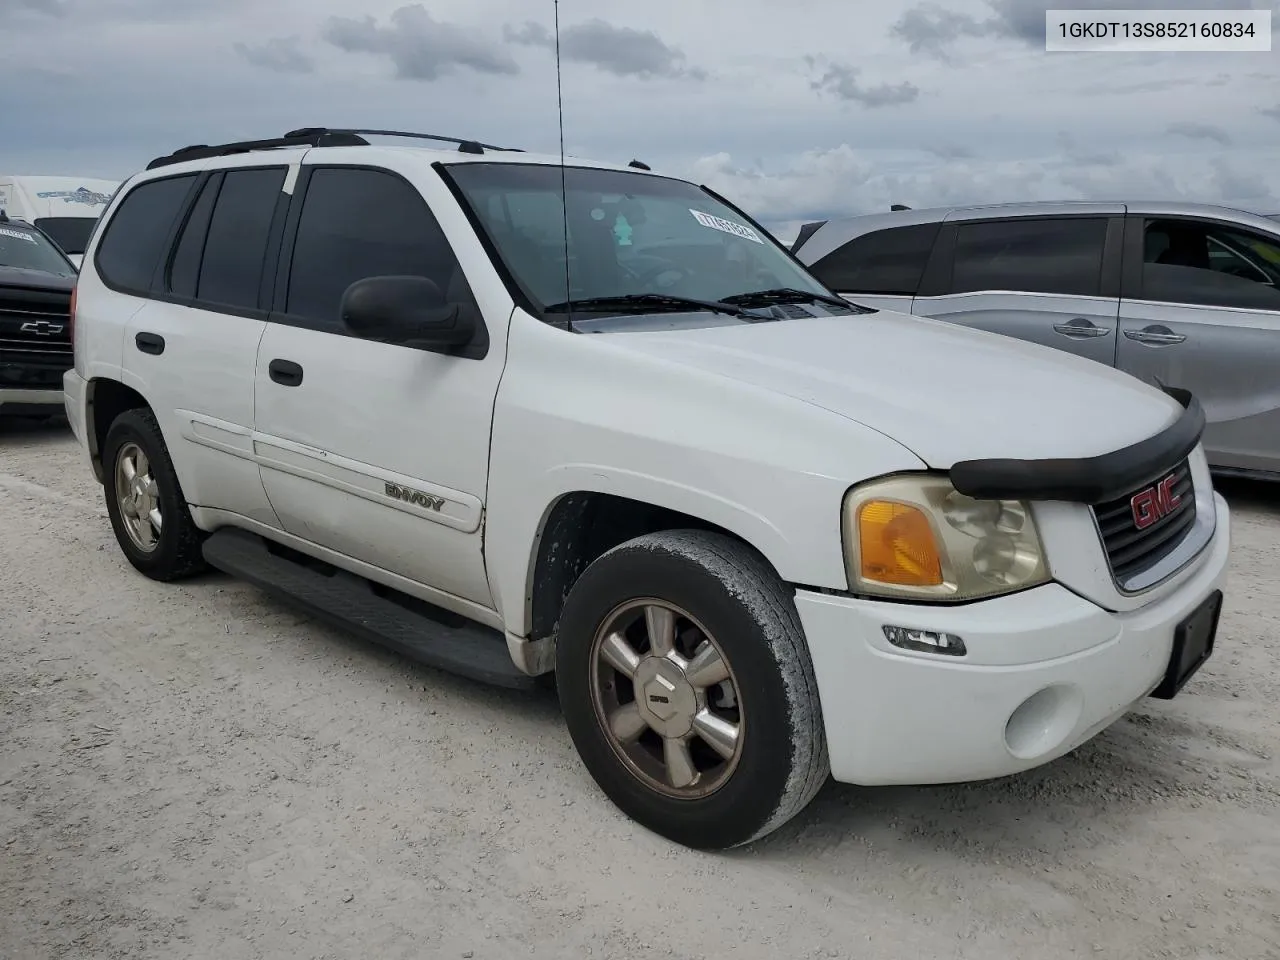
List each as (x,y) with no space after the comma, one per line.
(285,372)
(1081,329)
(1157,335)
(151,343)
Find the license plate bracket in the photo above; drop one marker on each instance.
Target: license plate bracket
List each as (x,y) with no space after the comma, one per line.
(1193,641)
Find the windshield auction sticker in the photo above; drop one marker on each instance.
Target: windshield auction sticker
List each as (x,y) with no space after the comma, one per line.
(17,235)
(726,226)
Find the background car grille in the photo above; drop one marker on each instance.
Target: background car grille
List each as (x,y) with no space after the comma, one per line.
(30,358)
(1131,551)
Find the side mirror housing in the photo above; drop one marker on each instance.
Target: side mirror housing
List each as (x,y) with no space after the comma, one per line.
(411,311)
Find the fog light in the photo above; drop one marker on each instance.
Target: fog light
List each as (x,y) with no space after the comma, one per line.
(925,641)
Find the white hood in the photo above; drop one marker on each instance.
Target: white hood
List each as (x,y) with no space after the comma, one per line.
(947,393)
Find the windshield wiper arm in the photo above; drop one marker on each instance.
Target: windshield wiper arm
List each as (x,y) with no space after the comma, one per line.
(645,302)
(790,295)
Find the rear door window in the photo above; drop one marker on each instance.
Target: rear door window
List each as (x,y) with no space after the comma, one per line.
(137,236)
(1057,255)
(239,230)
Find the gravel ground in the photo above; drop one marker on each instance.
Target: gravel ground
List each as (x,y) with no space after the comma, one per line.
(196,771)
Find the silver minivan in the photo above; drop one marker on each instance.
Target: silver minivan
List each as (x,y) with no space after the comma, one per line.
(1186,295)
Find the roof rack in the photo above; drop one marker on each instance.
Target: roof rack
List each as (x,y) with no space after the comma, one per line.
(314,137)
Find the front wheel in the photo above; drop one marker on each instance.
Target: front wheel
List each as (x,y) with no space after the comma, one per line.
(688,689)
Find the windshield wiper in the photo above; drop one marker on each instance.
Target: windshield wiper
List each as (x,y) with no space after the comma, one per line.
(763,298)
(648,302)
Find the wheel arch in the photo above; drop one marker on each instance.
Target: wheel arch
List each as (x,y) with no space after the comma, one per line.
(106,399)
(578,527)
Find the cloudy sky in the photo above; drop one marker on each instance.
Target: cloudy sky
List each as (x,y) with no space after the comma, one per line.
(797,110)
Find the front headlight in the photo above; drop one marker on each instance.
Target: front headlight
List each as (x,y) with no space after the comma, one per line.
(916,537)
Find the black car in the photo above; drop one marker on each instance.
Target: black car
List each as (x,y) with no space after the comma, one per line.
(36,280)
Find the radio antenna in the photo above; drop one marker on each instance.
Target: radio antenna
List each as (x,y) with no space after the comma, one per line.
(564,191)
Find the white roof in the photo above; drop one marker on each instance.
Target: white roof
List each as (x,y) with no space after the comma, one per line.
(371,152)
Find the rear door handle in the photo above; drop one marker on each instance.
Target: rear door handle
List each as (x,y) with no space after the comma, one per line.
(1156,335)
(285,372)
(151,343)
(1081,329)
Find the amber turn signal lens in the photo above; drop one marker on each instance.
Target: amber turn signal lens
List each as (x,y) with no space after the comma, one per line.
(896,545)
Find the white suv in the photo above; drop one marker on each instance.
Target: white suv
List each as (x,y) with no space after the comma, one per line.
(757,535)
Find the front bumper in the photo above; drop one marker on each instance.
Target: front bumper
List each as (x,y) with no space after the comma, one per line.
(16,400)
(897,717)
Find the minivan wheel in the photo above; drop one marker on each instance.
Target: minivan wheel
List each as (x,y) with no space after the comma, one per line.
(148,511)
(688,689)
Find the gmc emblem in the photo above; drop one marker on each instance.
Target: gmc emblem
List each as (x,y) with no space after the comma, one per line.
(1153,503)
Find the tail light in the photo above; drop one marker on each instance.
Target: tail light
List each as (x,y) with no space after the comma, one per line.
(71,320)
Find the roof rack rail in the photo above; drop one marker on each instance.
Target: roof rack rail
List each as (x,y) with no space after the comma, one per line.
(464,145)
(313,137)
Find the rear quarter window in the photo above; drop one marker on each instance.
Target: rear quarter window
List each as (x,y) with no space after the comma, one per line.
(137,235)
(887,262)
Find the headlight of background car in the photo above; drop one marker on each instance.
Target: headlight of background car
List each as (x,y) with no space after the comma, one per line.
(916,537)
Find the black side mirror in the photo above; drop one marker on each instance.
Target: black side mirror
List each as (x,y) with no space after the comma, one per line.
(411,311)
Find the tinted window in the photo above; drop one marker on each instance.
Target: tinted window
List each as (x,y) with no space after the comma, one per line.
(629,233)
(184,271)
(885,261)
(1061,255)
(138,232)
(28,249)
(236,245)
(1210,265)
(364,223)
(70,233)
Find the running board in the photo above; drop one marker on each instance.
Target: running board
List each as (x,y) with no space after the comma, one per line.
(414,628)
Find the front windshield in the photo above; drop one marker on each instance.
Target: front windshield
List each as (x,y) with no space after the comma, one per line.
(28,249)
(70,233)
(629,234)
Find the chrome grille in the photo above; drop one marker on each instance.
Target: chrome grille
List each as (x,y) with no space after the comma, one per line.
(1146,524)
(37,356)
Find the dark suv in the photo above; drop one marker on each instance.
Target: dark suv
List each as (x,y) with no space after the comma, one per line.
(36,281)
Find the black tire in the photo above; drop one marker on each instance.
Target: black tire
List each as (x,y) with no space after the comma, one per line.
(177,551)
(733,592)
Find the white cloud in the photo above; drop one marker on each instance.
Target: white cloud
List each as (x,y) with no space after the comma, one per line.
(796,111)
(845,181)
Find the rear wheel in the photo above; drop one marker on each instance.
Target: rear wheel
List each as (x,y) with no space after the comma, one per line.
(148,511)
(688,689)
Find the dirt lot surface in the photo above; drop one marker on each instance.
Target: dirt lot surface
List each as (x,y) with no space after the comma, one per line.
(195,771)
